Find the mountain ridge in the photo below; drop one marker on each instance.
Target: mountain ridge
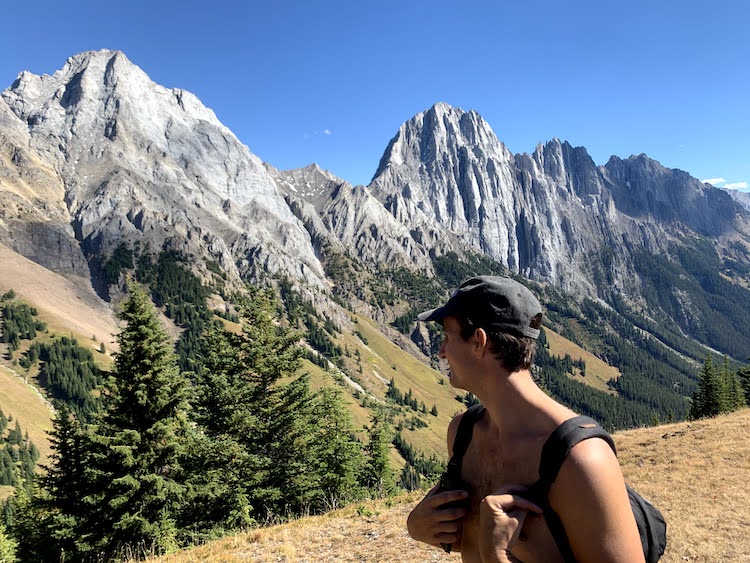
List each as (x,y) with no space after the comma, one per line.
(99,159)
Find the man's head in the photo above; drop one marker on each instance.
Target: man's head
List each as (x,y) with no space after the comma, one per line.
(508,312)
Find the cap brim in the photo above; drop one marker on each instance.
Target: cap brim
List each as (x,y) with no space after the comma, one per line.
(436,315)
(425,316)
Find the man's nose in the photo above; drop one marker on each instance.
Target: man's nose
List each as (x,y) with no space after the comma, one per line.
(441,352)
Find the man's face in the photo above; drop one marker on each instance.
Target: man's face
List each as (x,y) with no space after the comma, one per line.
(455,351)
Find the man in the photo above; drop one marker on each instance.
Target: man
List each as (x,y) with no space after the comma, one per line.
(491,325)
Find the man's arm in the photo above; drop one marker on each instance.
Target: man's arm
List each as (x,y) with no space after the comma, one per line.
(428,522)
(590,497)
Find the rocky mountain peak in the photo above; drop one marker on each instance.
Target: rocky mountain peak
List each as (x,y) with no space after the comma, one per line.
(142,162)
(432,133)
(643,187)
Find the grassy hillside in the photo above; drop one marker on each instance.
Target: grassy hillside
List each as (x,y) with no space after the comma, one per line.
(24,403)
(696,473)
(67,304)
(598,372)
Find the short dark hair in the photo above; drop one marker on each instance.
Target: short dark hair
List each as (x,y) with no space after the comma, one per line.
(515,352)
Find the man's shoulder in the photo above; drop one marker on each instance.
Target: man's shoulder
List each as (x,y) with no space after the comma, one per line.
(591,460)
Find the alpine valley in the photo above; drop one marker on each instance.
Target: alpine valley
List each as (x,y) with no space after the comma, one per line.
(106,176)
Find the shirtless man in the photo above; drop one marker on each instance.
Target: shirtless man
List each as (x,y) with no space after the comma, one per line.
(491,325)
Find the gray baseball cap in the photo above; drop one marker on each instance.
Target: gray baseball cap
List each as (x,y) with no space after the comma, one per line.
(494,303)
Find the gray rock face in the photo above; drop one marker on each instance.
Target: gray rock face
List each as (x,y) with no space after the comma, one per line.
(642,187)
(139,162)
(545,214)
(743,198)
(34,220)
(98,154)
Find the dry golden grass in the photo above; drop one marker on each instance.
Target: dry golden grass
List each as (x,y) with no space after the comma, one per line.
(598,372)
(696,473)
(67,304)
(372,532)
(25,404)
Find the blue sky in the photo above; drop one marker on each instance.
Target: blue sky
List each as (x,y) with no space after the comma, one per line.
(330,82)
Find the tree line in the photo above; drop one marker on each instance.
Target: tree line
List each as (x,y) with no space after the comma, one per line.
(720,390)
(18,454)
(19,322)
(172,457)
(68,372)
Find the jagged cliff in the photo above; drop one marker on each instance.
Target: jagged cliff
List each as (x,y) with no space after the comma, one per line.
(134,162)
(98,154)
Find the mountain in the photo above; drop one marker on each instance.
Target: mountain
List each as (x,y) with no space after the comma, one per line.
(643,266)
(542,214)
(122,159)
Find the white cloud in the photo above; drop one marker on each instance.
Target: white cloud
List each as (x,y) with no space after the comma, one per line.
(736,186)
(714,181)
(316,133)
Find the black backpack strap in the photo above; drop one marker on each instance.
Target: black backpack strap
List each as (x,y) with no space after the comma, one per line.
(451,479)
(555,450)
(563,439)
(462,440)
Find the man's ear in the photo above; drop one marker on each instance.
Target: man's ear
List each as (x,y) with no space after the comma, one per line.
(480,341)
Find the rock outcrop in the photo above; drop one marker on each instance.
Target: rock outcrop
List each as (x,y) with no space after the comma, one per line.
(137,162)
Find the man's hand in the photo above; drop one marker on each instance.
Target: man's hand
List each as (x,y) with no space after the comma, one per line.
(501,517)
(430,523)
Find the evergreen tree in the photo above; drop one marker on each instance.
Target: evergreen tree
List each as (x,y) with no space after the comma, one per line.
(58,503)
(30,525)
(250,406)
(724,376)
(743,374)
(293,486)
(220,468)
(7,547)
(707,401)
(134,464)
(377,475)
(338,453)
(410,478)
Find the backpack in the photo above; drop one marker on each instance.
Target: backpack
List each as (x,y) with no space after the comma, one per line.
(651,525)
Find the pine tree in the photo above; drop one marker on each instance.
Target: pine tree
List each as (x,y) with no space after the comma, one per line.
(377,474)
(7,547)
(338,453)
(249,402)
(134,466)
(743,374)
(63,484)
(732,394)
(725,376)
(707,401)
(29,523)
(410,478)
(219,466)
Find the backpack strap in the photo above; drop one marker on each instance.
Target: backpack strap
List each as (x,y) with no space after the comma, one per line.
(563,439)
(451,479)
(555,450)
(462,440)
